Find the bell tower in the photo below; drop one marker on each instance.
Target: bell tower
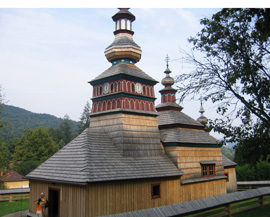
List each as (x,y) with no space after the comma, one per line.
(123,95)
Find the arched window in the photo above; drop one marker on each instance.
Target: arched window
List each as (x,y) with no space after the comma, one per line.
(100,90)
(112,87)
(132,87)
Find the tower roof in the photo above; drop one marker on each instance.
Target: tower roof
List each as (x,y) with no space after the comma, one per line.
(123,69)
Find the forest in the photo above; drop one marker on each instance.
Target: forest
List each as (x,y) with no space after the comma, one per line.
(27,139)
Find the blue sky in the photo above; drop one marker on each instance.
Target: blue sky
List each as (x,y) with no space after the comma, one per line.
(48,55)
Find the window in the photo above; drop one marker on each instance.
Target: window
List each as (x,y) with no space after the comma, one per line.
(208,170)
(155,191)
(132,88)
(227,175)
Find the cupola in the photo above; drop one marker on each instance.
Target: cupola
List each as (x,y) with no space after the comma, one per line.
(123,48)
(202,119)
(123,21)
(168,98)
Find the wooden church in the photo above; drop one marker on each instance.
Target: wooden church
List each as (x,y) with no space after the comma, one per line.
(133,155)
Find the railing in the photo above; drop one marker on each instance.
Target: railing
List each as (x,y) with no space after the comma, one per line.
(221,205)
(14,194)
(245,185)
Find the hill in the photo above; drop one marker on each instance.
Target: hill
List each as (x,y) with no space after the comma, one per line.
(16,119)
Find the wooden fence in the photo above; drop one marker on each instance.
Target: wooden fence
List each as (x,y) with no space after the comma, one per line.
(241,186)
(14,194)
(221,205)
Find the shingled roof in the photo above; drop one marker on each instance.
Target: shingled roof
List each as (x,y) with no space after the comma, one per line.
(123,41)
(124,69)
(177,127)
(227,162)
(12,176)
(175,117)
(186,136)
(92,157)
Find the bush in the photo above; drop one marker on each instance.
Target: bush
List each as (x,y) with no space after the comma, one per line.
(258,172)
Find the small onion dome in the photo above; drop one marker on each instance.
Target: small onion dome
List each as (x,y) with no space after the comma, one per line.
(202,119)
(168,80)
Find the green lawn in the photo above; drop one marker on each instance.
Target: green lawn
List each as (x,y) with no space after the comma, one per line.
(15,206)
(259,212)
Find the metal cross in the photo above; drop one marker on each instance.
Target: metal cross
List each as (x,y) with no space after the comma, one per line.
(167,59)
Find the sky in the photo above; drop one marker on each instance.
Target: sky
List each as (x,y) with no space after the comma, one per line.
(48,55)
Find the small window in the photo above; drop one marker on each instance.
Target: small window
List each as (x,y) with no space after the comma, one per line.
(112,87)
(155,191)
(227,175)
(208,170)
(132,88)
(100,90)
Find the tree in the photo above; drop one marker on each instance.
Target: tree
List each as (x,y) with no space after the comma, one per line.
(85,118)
(4,156)
(65,130)
(4,153)
(234,73)
(34,145)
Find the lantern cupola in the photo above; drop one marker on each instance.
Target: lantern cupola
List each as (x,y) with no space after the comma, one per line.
(123,48)
(123,21)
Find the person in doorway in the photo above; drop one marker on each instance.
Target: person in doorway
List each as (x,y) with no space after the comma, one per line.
(44,203)
(38,202)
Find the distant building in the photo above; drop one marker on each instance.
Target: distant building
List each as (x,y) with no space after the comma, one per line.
(133,156)
(13,179)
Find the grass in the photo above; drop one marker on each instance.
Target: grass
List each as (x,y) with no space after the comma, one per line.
(15,206)
(258,212)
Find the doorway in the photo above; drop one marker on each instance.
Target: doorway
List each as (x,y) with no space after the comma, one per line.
(54,204)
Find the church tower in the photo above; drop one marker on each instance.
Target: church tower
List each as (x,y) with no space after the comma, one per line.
(123,95)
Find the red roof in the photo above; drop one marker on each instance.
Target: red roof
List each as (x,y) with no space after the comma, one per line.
(12,176)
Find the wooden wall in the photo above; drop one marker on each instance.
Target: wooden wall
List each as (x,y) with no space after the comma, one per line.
(188,159)
(125,196)
(72,197)
(232,183)
(133,134)
(107,197)
(203,190)
(19,184)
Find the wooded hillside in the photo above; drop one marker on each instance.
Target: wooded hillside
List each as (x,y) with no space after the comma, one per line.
(15,120)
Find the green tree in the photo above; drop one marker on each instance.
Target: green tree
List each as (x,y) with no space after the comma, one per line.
(234,73)
(4,153)
(85,118)
(65,131)
(27,166)
(4,156)
(34,145)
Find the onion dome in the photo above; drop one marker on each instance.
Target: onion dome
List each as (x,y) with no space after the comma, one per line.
(168,99)
(123,48)
(168,80)
(202,119)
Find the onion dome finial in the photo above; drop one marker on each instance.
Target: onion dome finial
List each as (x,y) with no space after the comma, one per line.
(168,81)
(202,119)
